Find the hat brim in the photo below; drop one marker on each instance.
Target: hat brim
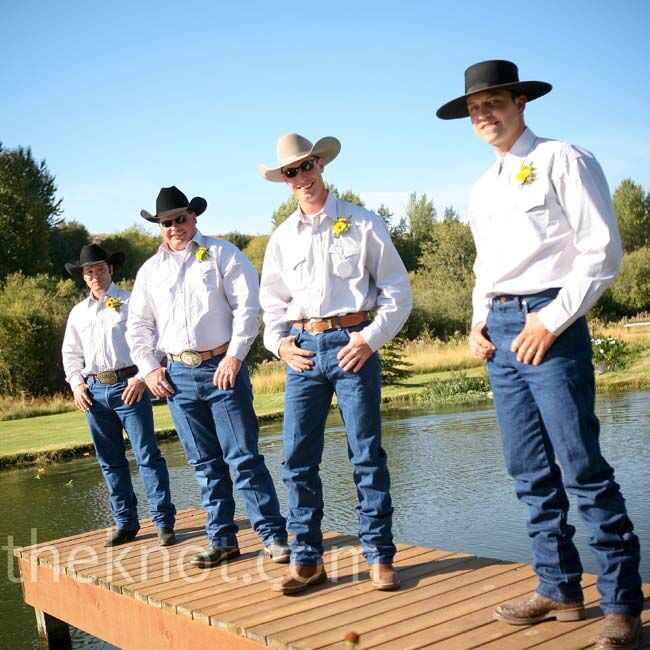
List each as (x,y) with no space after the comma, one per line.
(457,108)
(326,149)
(197,205)
(115,260)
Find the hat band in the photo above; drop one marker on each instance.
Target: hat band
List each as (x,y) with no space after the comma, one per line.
(484,85)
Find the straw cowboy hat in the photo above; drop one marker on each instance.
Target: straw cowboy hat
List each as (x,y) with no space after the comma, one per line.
(293,148)
(491,75)
(171,201)
(94,254)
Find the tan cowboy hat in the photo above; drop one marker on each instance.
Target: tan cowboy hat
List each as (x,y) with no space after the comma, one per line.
(293,148)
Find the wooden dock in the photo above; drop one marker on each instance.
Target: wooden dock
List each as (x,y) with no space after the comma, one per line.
(140,596)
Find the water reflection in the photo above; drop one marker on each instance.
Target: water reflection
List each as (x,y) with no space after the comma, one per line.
(450,491)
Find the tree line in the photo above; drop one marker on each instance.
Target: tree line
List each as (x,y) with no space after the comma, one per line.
(36,293)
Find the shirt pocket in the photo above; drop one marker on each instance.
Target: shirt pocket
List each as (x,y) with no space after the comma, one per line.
(208,276)
(294,269)
(531,207)
(345,259)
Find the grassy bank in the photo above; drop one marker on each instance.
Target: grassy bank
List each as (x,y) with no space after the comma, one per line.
(442,373)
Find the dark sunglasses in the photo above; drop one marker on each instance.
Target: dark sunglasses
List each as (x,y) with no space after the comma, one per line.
(178,221)
(307,166)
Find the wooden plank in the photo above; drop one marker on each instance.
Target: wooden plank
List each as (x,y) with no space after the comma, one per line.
(124,622)
(53,633)
(375,609)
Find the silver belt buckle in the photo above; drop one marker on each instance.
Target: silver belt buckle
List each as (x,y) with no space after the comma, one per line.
(107,377)
(191,358)
(311,322)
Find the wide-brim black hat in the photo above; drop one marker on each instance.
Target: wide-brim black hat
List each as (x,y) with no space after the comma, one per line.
(491,75)
(171,201)
(93,254)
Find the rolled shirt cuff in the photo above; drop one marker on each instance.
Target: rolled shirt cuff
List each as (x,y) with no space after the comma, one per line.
(147,365)
(373,336)
(76,380)
(238,349)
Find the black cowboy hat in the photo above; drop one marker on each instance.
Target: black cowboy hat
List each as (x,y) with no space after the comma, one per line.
(491,75)
(171,201)
(93,254)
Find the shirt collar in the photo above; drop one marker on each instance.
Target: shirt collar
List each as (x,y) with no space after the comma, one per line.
(523,146)
(113,291)
(196,242)
(328,211)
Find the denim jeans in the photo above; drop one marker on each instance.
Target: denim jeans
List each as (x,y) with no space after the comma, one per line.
(308,396)
(107,417)
(218,430)
(547,421)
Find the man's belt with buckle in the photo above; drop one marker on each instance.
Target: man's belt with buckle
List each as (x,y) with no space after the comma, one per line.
(320,325)
(113,376)
(194,358)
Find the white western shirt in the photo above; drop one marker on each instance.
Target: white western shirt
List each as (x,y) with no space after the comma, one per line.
(180,303)
(94,338)
(310,273)
(558,230)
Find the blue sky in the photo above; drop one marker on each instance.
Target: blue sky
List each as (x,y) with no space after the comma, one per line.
(124,98)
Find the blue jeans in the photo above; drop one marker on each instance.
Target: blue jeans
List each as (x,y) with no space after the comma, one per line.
(308,396)
(107,417)
(547,420)
(218,430)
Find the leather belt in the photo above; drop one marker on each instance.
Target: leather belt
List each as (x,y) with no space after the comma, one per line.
(320,325)
(194,358)
(113,376)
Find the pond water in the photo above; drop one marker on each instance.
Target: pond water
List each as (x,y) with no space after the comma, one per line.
(450,491)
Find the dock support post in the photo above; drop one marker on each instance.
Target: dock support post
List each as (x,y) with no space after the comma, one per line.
(53,633)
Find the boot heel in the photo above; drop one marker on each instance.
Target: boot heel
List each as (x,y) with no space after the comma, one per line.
(567,615)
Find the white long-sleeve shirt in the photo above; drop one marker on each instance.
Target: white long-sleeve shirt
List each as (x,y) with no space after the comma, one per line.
(94,338)
(310,273)
(181,303)
(557,231)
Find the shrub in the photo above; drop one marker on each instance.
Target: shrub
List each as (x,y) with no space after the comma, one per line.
(33,314)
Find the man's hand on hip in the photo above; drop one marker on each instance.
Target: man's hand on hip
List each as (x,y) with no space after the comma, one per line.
(481,346)
(225,375)
(533,342)
(157,383)
(352,356)
(133,392)
(293,356)
(82,397)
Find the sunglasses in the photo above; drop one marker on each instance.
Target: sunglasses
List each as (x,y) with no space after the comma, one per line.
(307,166)
(178,221)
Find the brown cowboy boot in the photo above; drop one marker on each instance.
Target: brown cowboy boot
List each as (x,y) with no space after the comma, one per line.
(620,632)
(298,578)
(537,609)
(384,577)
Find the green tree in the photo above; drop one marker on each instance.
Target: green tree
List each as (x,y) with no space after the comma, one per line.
(28,212)
(421,215)
(442,286)
(239,239)
(394,366)
(66,241)
(256,249)
(137,244)
(33,314)
(630,291)
(385,214)
(632,208)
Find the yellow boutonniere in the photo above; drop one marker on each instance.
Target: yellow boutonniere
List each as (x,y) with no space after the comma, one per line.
(342,225)
(526,174)
(201,254)
(113,303)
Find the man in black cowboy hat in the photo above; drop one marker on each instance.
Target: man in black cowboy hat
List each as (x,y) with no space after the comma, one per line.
(106,388)
(196,300)
(547,247)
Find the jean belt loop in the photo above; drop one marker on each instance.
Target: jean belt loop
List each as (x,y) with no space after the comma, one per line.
(524,304)
(337,320)
(302,325)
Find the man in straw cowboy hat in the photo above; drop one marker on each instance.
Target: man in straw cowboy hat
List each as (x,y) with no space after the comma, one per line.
(547,247)
(326,267)
(107,389)
(196,300)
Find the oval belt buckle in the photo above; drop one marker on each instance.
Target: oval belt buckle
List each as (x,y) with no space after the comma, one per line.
(107,377)
(191,358)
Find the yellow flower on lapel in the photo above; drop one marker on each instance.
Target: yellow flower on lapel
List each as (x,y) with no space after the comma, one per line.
(113,303)
(526,174)
(201,254)
(342,225)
